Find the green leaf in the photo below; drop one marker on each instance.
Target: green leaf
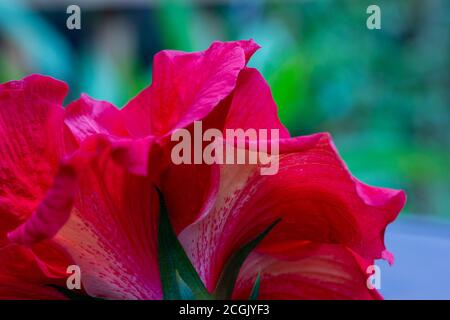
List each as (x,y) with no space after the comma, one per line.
(185,291)
(178,276)
(255,290)
(229,275)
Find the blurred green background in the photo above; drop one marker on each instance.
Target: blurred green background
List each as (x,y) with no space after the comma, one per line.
(383,94)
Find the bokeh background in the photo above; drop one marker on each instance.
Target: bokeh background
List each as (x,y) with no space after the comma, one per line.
(383,94)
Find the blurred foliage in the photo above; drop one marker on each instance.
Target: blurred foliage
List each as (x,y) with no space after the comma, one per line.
(383,94)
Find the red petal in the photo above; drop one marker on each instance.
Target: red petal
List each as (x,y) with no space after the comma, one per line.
(112,233)
(191,189)
(313,193)
(23,275)
(190,192)
(31,123)
(186,87)
(307,271)
(52,212)
(99,124)
(218,67)
(31,129)
(252,105)
(111,230)
(86,117)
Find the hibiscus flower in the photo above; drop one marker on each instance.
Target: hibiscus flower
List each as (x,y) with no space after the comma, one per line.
(83,185)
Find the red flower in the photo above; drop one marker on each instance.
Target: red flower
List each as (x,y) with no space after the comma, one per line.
(101,211)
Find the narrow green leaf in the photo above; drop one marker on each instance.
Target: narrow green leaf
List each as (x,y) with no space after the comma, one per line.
(185,291)
(255,290)
(229,275)
(176,270)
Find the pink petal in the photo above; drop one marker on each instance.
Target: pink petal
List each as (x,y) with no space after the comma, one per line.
(190,190)
(99,124)
(52,212)
(31,124)
(23,276)
(99,210)
(314,194)
(112,233)
(186,87)
(86,117)
(31,128)
(252,105)
(307,271)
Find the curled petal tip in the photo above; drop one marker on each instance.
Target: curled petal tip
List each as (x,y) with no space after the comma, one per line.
(52,213)
(388,256)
